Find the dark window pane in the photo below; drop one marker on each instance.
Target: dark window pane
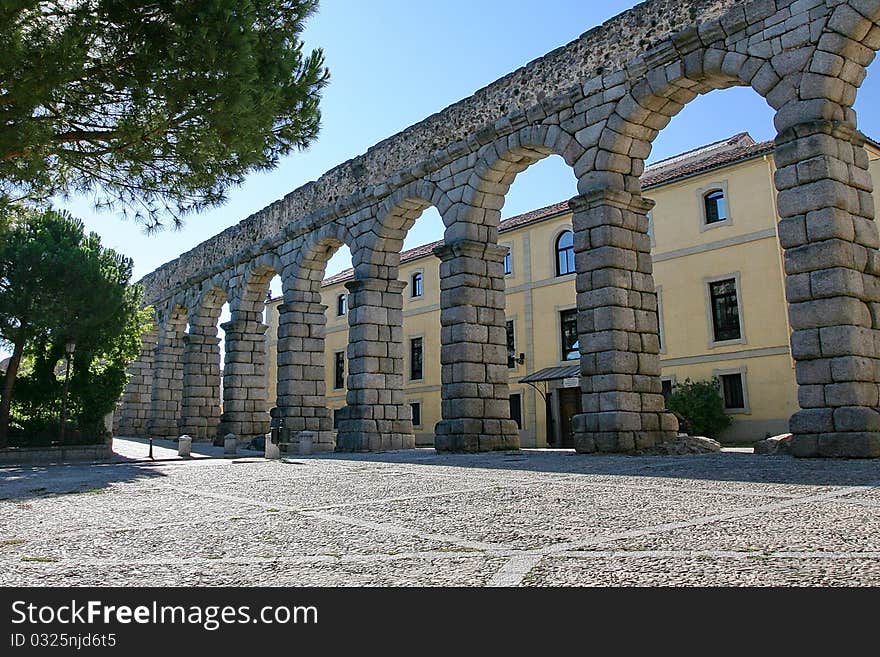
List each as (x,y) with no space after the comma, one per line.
(516,409)
(511,345)
(667,388)
(570,345)
(725,310)
(416,413)
(716,207)
(337,415)
(339,370)
(415,358)
(341,304)
(508,262)
(732,387)
(417,284)
(565,253)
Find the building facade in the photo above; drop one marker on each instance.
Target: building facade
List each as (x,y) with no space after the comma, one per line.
(720,284)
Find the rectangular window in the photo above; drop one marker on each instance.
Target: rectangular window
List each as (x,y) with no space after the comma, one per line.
(508,262)
(667,388)
(516,409)
(732,390)
(339,370)
(725,310)
(417,284)
(415,358)
(416,413)
(569,334)
(511,345)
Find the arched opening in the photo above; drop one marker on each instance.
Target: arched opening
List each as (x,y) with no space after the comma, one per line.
(727,272)
(310,334)
(202,361)
(419,342)
(536,230)
(246,403)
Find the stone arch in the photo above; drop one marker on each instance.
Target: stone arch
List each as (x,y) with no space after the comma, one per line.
(394,218)
(201,397)
(478,202)
(308,256)
(250,297)
(619,145)
(207,304)
(826,229)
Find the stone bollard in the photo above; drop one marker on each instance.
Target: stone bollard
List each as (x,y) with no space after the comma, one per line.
(230,444)
(184,445)
(272,450)
(306,438)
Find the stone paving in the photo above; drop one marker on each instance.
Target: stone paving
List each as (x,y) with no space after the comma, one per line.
(415,517)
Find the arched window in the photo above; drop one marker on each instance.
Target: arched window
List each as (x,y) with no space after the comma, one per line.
(565,253)
(417,284)
(341,305)
(716,206)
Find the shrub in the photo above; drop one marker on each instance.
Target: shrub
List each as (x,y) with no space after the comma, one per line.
(701,404)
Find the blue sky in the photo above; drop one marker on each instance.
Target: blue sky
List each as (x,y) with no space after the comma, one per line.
(394,62)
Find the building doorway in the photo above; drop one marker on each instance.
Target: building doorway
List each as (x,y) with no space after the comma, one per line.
(569,406)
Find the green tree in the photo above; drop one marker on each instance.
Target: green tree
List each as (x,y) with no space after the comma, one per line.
(700,403)
(155,107)
(59,285)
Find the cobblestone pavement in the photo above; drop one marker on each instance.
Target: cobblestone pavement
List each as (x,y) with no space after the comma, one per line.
(533,518)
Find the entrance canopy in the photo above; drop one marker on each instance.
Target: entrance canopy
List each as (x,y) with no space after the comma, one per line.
(552,374)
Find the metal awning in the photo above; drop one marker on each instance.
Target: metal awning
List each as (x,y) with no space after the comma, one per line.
(552,374)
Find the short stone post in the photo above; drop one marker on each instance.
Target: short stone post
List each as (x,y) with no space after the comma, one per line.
(621,396)
(230,444)
(306,441)
(184,446)
(377,416)
(474,398)
(272,450)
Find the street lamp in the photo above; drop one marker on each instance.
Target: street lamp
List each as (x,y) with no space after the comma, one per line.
(69,348)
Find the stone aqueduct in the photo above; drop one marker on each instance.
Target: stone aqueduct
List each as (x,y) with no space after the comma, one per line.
(598,102)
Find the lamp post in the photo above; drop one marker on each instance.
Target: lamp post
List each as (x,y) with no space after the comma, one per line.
(69,348)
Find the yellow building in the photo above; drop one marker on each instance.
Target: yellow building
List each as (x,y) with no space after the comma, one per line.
(721,300)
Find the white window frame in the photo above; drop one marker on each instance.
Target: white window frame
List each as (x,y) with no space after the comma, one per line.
(720,185)
(421,407)
(410,285)
(509,246)
(559,310)
(707,298)
(555,254)
(671,378)
(660,331)
(742,370)
(344,368)
(408,359)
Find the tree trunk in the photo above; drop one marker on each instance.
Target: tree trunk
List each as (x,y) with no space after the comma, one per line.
(8,382)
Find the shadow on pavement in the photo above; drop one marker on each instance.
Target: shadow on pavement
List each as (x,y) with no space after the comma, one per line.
(726,466)
(31,481)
